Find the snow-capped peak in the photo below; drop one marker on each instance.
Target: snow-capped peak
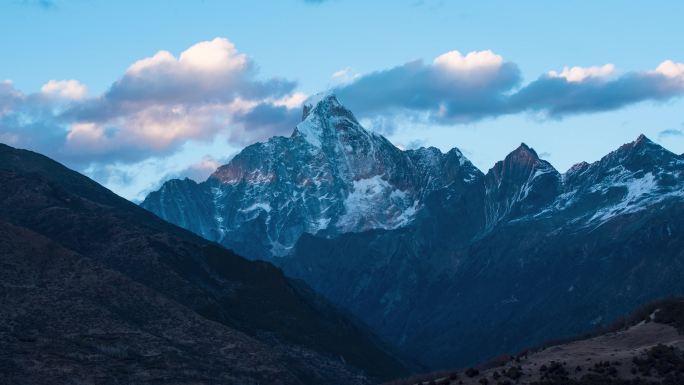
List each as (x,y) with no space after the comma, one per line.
(642,142)
(325,97)
(314,99)
(324,116)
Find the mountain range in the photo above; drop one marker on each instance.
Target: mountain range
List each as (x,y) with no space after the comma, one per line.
(330,177)
(94,289)
(448,264)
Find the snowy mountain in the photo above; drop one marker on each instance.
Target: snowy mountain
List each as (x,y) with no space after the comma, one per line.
(331,176)
(447,263)
(634,177)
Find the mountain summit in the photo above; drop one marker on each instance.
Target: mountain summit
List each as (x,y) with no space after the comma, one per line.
(521,183)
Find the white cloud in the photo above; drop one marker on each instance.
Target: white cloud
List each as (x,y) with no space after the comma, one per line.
(9,97)
(344,76)
(291,101)
(65,89)
(85,133)
(154,130)
(162,101)
(201,170)
(671,69)
(454,61)
(580,74)
(134,180)
(216,55)
(159,59)
(453,88)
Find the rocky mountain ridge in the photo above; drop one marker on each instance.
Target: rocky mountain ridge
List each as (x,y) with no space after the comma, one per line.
(333,177)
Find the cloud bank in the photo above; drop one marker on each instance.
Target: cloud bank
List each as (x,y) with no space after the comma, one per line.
(453,88)
(457,88)
(159,103)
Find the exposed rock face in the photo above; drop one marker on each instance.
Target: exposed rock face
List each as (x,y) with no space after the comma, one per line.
(520,184)
(449,264)
(97,290)
(330,177)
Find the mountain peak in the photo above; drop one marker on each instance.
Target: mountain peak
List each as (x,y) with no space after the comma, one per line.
(643,139)
(322,98)
(524,152)
(520,164)
(324,115)
(642,143)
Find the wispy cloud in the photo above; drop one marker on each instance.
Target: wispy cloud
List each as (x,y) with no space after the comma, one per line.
(670,132)
(344,76)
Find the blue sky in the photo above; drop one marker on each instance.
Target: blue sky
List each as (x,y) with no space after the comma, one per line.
(293,47)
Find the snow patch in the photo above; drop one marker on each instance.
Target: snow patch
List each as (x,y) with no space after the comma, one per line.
(320,224)
(311,131)
(217,195)
(375,203)
(279,250)
(313,100)
(407,215)
(257,206)
(641,193)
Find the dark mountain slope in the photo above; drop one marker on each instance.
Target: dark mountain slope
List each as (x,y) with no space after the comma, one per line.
(67,319)
(252,297)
